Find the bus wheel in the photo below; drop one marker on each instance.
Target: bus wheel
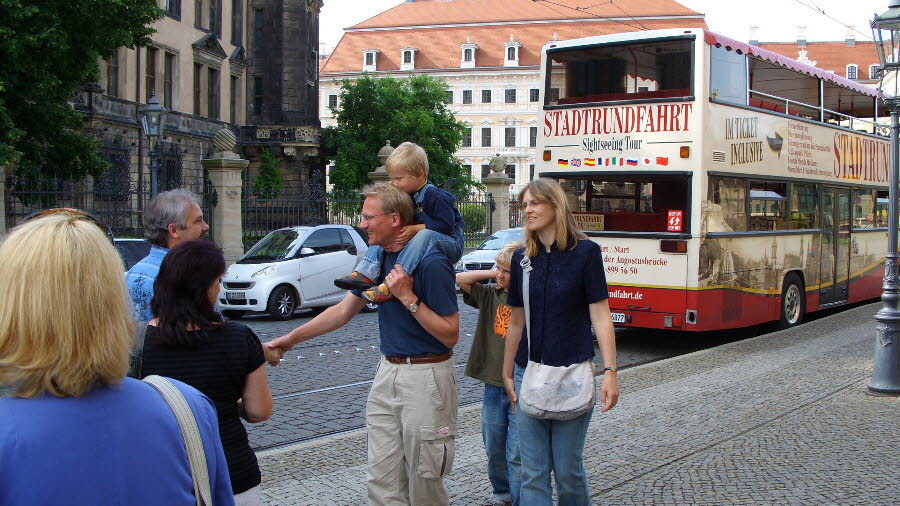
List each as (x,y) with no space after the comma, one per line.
(792,302)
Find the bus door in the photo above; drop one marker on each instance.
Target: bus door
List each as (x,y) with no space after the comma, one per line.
(835,260)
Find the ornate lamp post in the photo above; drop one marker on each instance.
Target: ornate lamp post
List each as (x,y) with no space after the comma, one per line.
(153,121)
(886,376)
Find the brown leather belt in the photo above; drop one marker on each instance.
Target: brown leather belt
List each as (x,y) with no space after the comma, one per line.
(421,359)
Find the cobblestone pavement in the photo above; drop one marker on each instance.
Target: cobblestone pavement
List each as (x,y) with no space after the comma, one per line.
(320,387)
(782,418)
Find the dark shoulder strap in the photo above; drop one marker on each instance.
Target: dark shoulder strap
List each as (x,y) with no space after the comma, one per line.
(137,354)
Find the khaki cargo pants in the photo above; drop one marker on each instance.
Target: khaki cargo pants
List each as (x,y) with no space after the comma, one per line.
(411,425)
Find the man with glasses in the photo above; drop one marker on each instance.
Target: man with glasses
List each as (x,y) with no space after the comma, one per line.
(171,218)
(412,405)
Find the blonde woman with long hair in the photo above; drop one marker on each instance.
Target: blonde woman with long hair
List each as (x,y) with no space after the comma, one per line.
(567,295)
(75,430)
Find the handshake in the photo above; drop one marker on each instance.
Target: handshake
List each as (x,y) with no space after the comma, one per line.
(275,349)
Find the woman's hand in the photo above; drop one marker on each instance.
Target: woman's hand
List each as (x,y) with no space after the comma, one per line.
(609,391)
(510,386)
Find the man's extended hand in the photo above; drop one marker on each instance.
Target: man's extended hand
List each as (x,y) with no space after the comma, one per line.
(275,349)
(400,283)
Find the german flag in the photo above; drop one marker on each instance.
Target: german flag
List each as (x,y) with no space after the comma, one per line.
(562,162)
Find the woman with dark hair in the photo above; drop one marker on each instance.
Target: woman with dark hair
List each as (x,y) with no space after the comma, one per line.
(187,340)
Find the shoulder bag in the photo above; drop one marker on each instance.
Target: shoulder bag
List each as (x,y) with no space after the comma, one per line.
(553,392)
(191,434)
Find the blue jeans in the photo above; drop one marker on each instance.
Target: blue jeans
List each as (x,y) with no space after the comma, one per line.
(421,243)
(552,445)
(501,442)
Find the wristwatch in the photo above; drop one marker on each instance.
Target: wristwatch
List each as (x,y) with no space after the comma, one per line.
(613,369)
(414,306)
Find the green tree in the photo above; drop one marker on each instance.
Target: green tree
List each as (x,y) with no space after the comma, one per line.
(375,110)
(268,183)
(49,48)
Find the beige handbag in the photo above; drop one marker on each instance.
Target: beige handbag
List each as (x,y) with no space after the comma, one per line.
(191,434)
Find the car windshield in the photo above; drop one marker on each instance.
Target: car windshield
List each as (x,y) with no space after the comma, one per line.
(497,240)
(274,246)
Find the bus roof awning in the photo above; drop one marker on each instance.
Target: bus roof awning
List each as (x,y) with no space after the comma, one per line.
(714,39)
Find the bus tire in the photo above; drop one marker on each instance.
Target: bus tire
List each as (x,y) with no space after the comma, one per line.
(793,302)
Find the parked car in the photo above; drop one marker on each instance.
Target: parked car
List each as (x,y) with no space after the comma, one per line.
(482,257)
(292,268)
(132,251)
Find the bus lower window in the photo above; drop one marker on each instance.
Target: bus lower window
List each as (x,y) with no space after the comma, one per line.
(628,203)
(660,69)
(804,207)
(727,210)
(767,206)
(881,208)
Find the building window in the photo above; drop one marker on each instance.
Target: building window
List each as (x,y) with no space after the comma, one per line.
(511,96)
(486,137)
(534,95)
(173,8)
(510,53)
(485,96)
(509,137)
(532,137)
(485,170)
(237,23)
(151,72)
(213,93)
(468,169)
(407,56)
(468,55)
(554,95)
(168,79)
(332,101)
(215,20)
(852,71)
(112,74)
(510,171)
(257,95)
(370,58)
(198,91)
(467,138)
(198,14)
(873,71)
(233,98)
(448,97)
(259,25)
(531,172)
(467,97)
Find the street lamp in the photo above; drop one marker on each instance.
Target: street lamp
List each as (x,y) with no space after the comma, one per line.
(886,374)
(153,121)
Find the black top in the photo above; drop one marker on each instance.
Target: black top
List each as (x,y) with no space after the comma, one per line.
(561,286)
(436,209)
(219,370)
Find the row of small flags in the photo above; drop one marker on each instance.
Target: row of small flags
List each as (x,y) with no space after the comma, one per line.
(612,161)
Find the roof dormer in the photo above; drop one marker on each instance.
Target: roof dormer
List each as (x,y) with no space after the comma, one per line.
(370,60)
(408,58)
(467,55)
(511,52)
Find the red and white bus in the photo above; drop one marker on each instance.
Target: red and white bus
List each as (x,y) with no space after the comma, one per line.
(727,185)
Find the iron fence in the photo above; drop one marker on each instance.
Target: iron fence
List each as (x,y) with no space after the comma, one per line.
(515,213)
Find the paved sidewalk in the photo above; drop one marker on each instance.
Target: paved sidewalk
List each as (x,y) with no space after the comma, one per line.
(782,418)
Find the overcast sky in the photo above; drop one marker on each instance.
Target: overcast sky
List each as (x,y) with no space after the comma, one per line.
(777,19)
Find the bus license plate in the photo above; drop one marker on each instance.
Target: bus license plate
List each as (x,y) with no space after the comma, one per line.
(242,296)
(618,317)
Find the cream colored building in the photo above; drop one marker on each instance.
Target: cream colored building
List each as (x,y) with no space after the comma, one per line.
(488,53)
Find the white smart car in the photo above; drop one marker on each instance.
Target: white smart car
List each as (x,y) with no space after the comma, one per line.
(291,268)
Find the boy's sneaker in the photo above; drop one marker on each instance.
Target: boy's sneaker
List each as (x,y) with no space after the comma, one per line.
(354,281)
(378,294)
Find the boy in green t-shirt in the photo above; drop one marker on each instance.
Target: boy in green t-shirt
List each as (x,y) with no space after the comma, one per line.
(498,422)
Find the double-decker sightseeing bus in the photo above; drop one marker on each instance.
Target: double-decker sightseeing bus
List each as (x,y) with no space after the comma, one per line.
(727,185)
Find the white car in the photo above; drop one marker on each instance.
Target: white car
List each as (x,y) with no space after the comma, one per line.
(482,257)
(291,268)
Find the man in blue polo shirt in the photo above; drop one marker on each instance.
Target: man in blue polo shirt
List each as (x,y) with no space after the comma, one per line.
(171,218)
(411,409)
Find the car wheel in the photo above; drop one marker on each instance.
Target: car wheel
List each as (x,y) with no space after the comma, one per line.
(370,307)
(282,303)
(792,302)
(233,315)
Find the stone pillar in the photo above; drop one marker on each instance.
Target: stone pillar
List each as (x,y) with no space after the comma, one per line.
(497,184)
(380,174)
(3,170)
(225,168)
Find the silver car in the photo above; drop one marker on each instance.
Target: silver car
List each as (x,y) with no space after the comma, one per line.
(482,257)
(291,268)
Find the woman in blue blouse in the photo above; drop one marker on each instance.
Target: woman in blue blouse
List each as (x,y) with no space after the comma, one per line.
(567,294)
